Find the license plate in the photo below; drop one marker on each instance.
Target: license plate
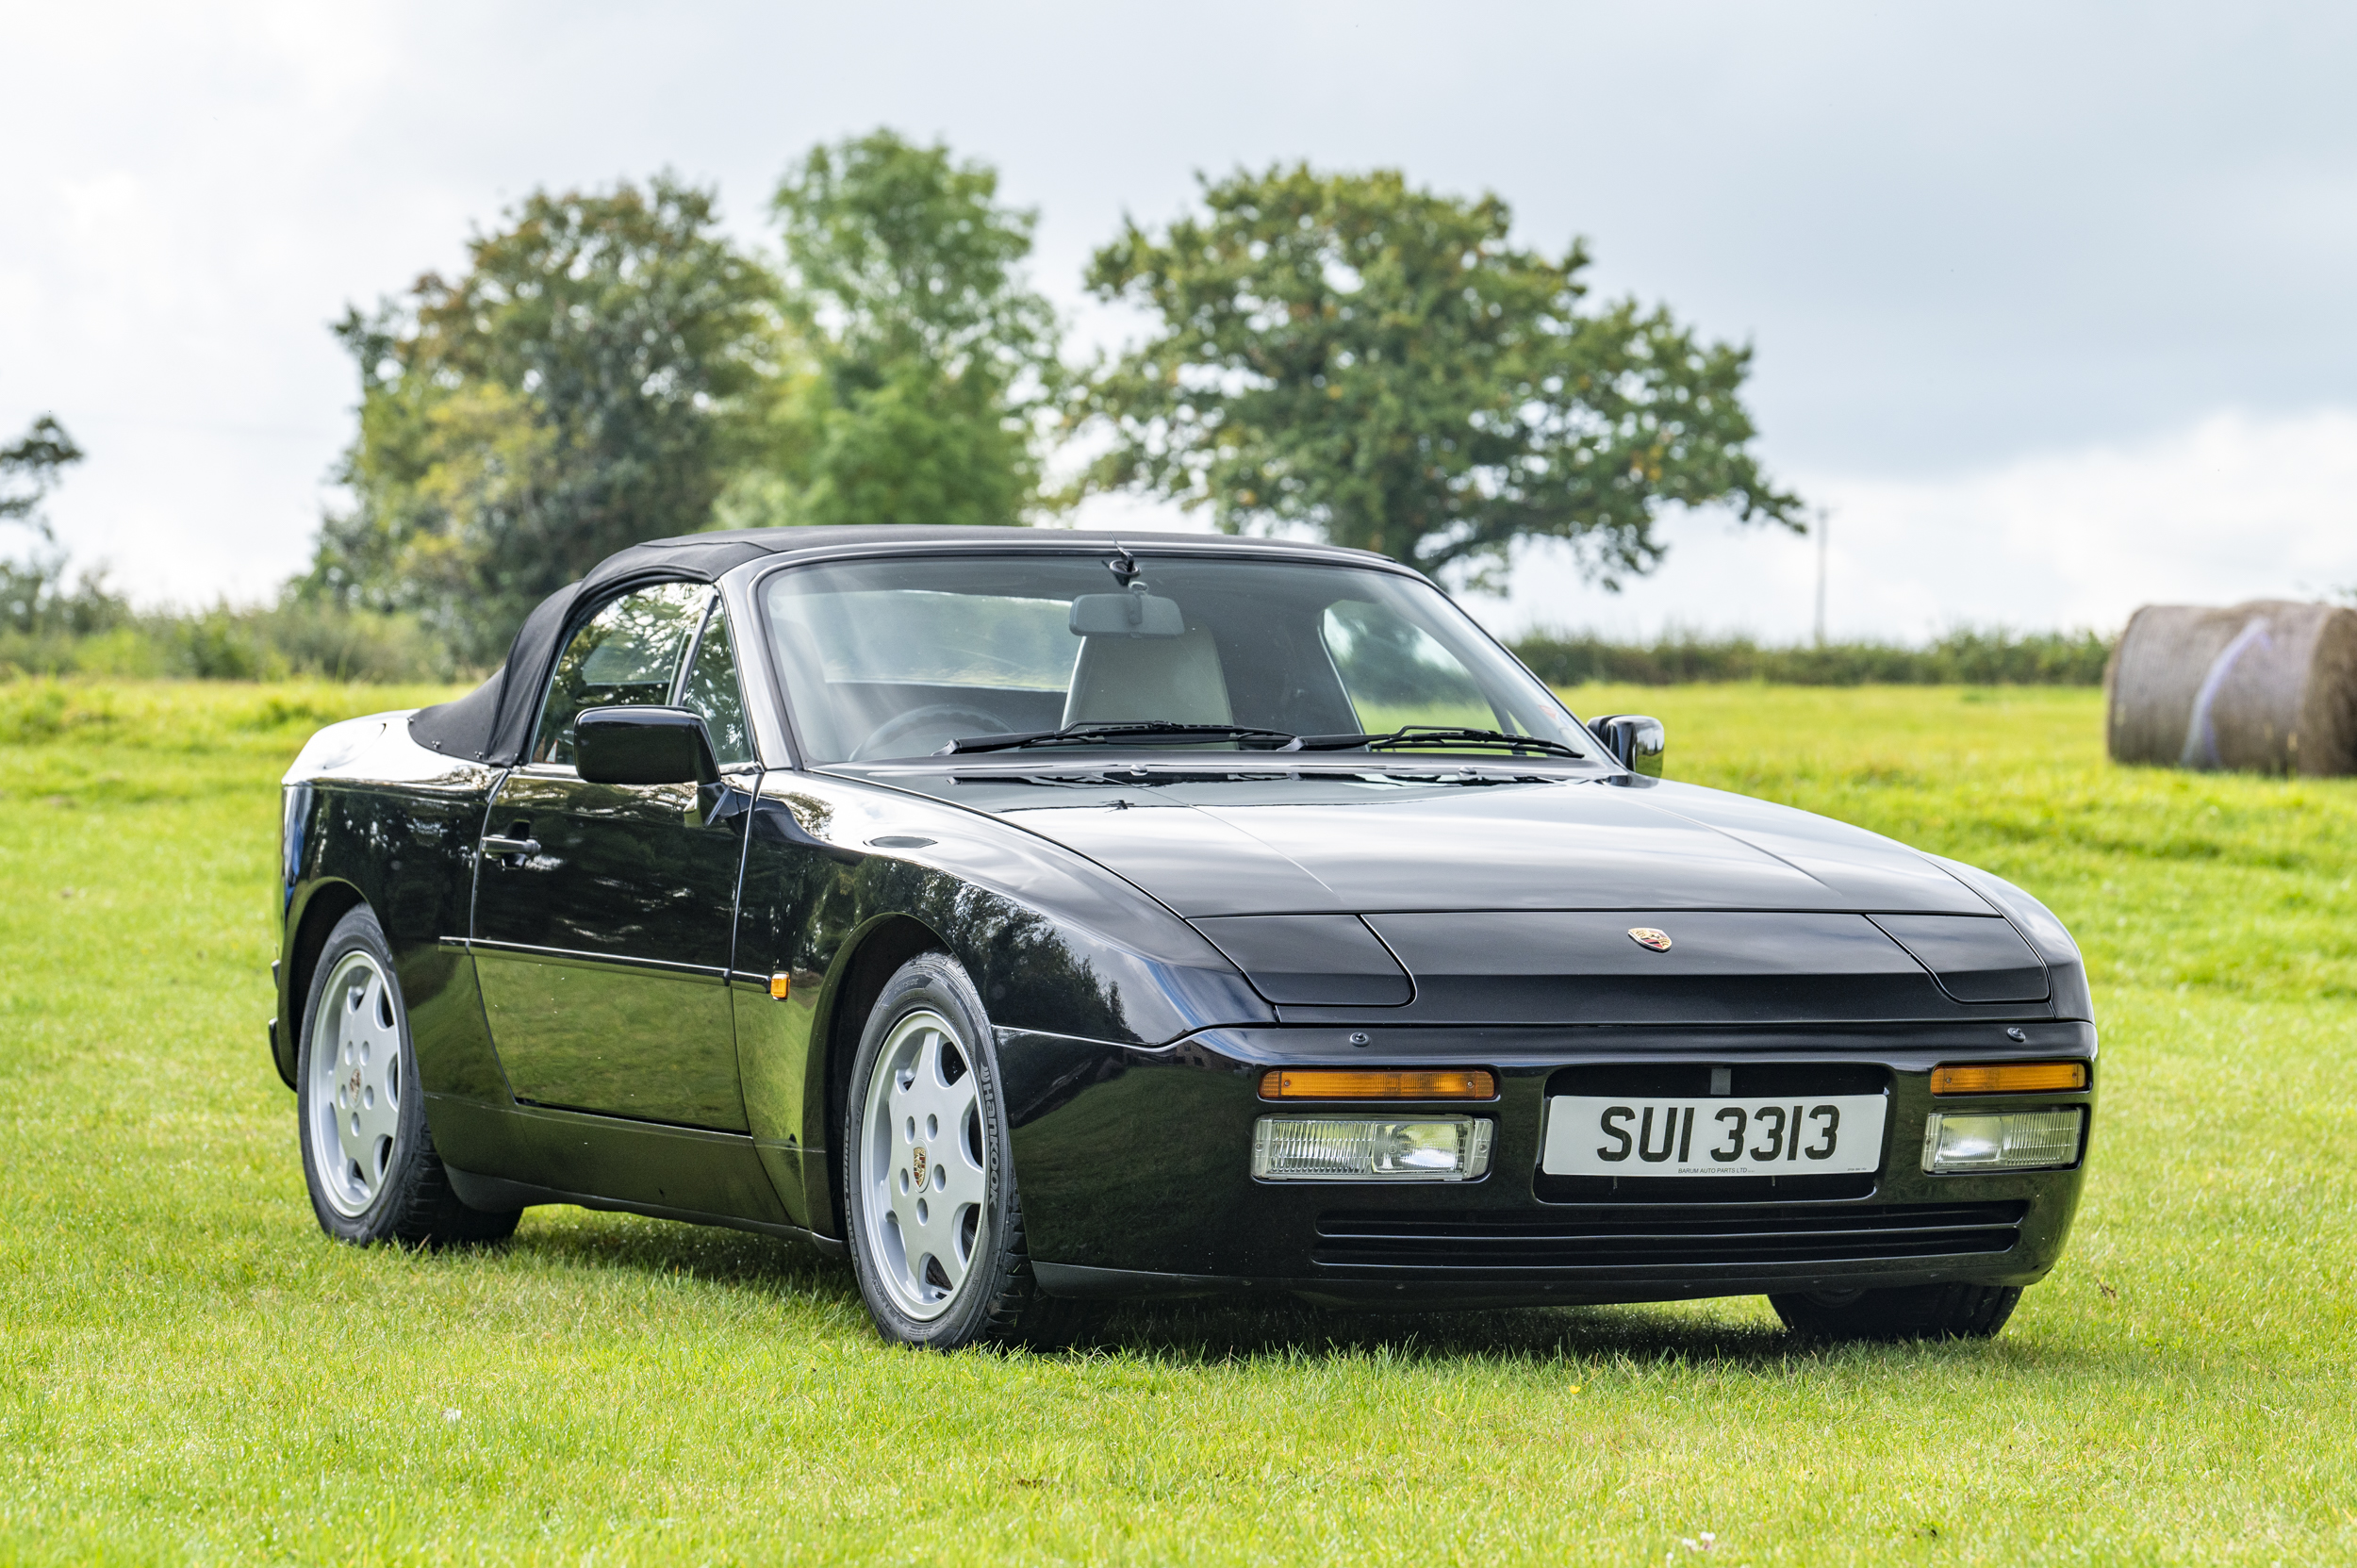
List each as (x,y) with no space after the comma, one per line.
(1629,1136)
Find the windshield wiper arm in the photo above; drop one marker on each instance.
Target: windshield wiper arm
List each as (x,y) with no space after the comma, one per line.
(1435,735)
(1150,731)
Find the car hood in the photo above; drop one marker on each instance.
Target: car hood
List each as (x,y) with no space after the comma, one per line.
(1368,844)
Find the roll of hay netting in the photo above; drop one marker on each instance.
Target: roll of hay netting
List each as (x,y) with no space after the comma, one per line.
(2269,687)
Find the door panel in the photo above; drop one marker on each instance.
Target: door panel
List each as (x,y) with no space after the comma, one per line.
(605,914)
(603,954)
(594,1035)
(623,869)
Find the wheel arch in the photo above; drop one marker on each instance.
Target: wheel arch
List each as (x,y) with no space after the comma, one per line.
(327,903)
(869,958)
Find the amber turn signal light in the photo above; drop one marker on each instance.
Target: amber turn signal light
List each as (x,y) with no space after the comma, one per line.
(2009,1078)
(1356,1084)
(781,986)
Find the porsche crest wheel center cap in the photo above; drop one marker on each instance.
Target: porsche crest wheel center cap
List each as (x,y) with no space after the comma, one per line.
(1650,937)
(917,1175)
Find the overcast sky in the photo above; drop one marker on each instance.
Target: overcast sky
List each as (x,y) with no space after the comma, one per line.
(2052,306)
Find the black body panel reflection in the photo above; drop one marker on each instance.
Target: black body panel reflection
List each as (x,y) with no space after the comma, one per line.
(603,954)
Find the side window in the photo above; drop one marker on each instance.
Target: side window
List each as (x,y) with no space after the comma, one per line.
(712,690)
(628,656)
(1397,674)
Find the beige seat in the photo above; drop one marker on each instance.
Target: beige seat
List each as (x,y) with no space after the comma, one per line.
(1133,679)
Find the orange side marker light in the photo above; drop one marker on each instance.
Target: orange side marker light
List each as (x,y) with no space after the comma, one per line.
(1360,1084)
(2009,1078)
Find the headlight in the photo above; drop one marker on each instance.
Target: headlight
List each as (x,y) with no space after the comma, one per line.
(1353,1149)
(1955,1141)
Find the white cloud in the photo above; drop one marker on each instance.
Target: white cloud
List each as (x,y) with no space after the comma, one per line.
(1948,248)
(2233,507)
(178,231)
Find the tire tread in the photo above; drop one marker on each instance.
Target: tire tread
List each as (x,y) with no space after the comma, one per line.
(1013,1311)
(1903,1314)
(420,1209)
(433,1215)
(1021,1314)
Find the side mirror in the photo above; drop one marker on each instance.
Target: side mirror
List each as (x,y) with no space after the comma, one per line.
(643,745)
(1635,741)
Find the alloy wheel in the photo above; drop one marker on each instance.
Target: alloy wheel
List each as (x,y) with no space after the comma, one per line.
(355,1083)
(924,1163)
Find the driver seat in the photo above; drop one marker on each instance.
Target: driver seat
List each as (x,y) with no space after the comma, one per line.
(1136,680)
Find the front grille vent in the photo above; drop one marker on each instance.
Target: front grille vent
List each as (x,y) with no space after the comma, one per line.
(1519,1244)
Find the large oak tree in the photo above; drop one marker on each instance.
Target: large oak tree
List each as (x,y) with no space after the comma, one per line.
(590,381)
(1385,366)
(611,368)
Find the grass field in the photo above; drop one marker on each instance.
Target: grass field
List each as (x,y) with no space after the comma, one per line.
(189,1371)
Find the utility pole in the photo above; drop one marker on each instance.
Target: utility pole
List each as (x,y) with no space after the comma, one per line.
(1825,527)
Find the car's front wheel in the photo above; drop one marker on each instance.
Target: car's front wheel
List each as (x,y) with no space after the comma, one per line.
(1905,1313)
(936,1222)
(367,1156)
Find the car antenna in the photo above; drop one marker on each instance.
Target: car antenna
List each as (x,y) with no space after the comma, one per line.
(1122,565)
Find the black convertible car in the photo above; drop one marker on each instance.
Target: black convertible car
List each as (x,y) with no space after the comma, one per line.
(1047,918)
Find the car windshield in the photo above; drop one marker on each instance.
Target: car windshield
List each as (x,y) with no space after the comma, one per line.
(908,657)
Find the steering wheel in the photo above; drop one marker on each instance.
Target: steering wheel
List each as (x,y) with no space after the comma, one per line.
(952,720)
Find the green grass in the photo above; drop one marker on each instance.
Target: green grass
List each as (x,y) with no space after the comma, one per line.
(189,1371)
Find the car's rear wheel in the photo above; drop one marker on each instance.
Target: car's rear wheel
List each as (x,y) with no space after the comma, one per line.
(930,1197)
(1906,1312)
(367,1156)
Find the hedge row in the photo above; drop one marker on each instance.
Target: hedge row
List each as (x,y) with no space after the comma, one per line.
(228,644)
(1966,657)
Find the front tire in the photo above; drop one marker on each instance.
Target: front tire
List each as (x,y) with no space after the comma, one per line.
(368,1155)
(1908,1313)
(930,1198)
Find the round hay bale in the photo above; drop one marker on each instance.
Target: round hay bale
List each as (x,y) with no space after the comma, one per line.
(2269,687)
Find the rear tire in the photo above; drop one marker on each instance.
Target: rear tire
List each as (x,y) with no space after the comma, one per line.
(929,1191)
(368,1155)
(1908,1313)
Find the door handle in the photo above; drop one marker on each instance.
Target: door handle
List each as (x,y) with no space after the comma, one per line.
(498,846)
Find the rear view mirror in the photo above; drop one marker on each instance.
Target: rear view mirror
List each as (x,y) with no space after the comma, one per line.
(1635,741)
(1126,615)
(643,745)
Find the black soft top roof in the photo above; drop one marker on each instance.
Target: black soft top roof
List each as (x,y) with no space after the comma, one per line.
(493,722)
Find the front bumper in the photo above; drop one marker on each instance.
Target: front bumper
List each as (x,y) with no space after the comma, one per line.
(1134,1166)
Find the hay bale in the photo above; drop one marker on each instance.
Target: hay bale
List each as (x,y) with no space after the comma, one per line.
(2269,687)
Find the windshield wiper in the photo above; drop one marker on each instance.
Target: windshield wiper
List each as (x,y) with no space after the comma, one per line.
(1157,732)
(1148,733)
(1434,737)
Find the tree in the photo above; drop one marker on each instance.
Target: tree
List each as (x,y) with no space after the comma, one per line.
(29,471)
(593,380)
(1380,365)
(937,364)
(34,598)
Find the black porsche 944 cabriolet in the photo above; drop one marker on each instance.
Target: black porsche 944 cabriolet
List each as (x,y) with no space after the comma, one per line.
(1049,918)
